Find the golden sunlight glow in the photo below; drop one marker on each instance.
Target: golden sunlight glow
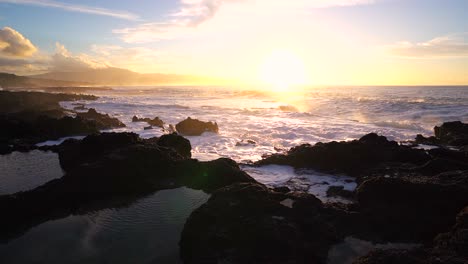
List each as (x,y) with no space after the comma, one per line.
(282,70)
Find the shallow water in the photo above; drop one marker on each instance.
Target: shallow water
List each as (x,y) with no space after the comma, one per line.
(351,248)
(148,231)
(24,171)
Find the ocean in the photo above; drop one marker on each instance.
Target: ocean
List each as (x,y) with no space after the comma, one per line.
(252,123)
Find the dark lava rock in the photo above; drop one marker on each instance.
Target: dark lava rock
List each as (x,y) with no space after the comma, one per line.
(75,152)
(194,127)
(37,103)
(455,242)
(112,170)
(288,108)
(18,134)
(247,142)
(439,165)
(153,122)
(178,143)
(282,189)
(334,191)
(27,118)
(211,175)
(447,248)
(247,223)
(353,157)
(413,208)
(450,133)
(103,121)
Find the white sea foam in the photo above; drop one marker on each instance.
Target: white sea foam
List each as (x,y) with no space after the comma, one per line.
(301,180)
(323,114)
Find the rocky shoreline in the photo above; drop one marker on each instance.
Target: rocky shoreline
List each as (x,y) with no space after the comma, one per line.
(404,194)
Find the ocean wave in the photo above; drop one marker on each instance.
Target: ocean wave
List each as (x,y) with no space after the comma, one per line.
(399,124)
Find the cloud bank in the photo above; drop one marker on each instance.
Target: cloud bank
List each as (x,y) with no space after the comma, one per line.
(13,44)
(455,45)
(76,8)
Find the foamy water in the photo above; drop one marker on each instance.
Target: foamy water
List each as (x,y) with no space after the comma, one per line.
(279,121)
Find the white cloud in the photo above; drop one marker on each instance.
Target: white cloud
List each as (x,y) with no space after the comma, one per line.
(65,61)
(76,8)
(139,59)
(193,13)
(13,44)
(455,45)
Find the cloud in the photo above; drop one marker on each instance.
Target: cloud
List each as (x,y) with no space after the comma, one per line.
(65,61)
(76,8)
(455,45)
(193,13)
(13,44)
(140,59)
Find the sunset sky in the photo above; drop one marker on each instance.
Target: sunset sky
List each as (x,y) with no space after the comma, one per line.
(346,42)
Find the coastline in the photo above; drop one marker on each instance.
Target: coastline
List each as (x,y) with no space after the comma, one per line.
(399,188)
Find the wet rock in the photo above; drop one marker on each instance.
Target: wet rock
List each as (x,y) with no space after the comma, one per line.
(420,139)
(247,142)
(178,143)
(413,208)
(195,127)
(103,121)
(75,152)
(27,118)
(452,133)
(448,248)
(37,103)
(79,107)
(353,157)
(394,256)
(247,223)
(153,122)
(439,165)
(288,108)
(282,189)
(339,191)
(455,242)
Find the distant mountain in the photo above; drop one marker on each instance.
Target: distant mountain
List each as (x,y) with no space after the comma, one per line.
(8,80)
(117,76)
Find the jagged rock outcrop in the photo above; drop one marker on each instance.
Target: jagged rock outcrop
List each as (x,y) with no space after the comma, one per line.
(353,157)
(195,127)
(413,208)
(153,122)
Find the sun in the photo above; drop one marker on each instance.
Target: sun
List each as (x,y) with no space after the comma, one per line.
(282,70)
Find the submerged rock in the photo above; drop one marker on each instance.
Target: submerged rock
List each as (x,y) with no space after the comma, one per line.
(195,127)
(152,122)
